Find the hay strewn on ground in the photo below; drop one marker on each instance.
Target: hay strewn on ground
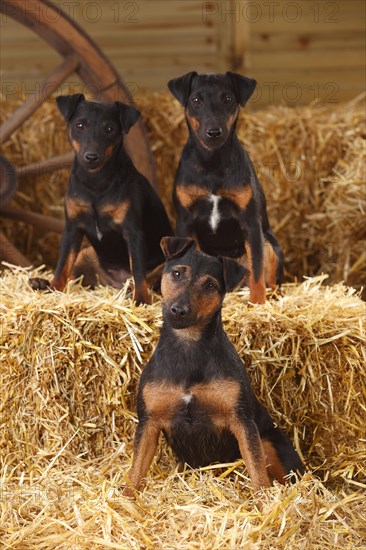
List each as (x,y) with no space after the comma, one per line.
(310,160)
(70,363)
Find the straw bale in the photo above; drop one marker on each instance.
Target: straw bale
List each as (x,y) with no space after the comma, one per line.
(340,236)
(310,160)
(69,369)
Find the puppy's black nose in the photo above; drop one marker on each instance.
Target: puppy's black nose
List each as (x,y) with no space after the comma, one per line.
(214,132)
(179,310)
(91,157)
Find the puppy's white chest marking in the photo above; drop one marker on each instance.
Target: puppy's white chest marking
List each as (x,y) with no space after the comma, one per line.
(215,213)
(98,231)
(187,398)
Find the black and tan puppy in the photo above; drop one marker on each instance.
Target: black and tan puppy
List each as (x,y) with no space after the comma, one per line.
(217,196)
(195,388)
(107,200)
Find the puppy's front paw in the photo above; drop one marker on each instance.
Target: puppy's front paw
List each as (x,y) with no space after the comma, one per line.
(37,283)
(141,294)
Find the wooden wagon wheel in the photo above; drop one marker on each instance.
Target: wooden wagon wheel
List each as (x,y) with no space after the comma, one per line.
(82,56)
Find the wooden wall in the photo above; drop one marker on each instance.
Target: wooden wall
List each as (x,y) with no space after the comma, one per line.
(297,50)
(303,50)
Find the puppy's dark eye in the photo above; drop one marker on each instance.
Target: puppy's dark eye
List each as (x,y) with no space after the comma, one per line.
(211,287)
(109,129)
(79,126)
(228,99)
(195,100)
(176,273)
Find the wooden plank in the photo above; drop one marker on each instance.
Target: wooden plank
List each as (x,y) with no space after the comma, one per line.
(307,97)
(128,13)
(301,87)
(241,33)
(319,16)
(129,55)
(347,58)
(12,35)
(309,77)
(351,24)
(307,41)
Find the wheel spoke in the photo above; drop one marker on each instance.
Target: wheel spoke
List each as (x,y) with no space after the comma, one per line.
(46,223)
(10,254)
(47,165)
(48,86)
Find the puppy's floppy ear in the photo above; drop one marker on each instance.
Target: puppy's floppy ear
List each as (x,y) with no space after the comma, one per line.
(174,247)
(128,116)
(67,104)
(181,87)
(243,86)
(234,273)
